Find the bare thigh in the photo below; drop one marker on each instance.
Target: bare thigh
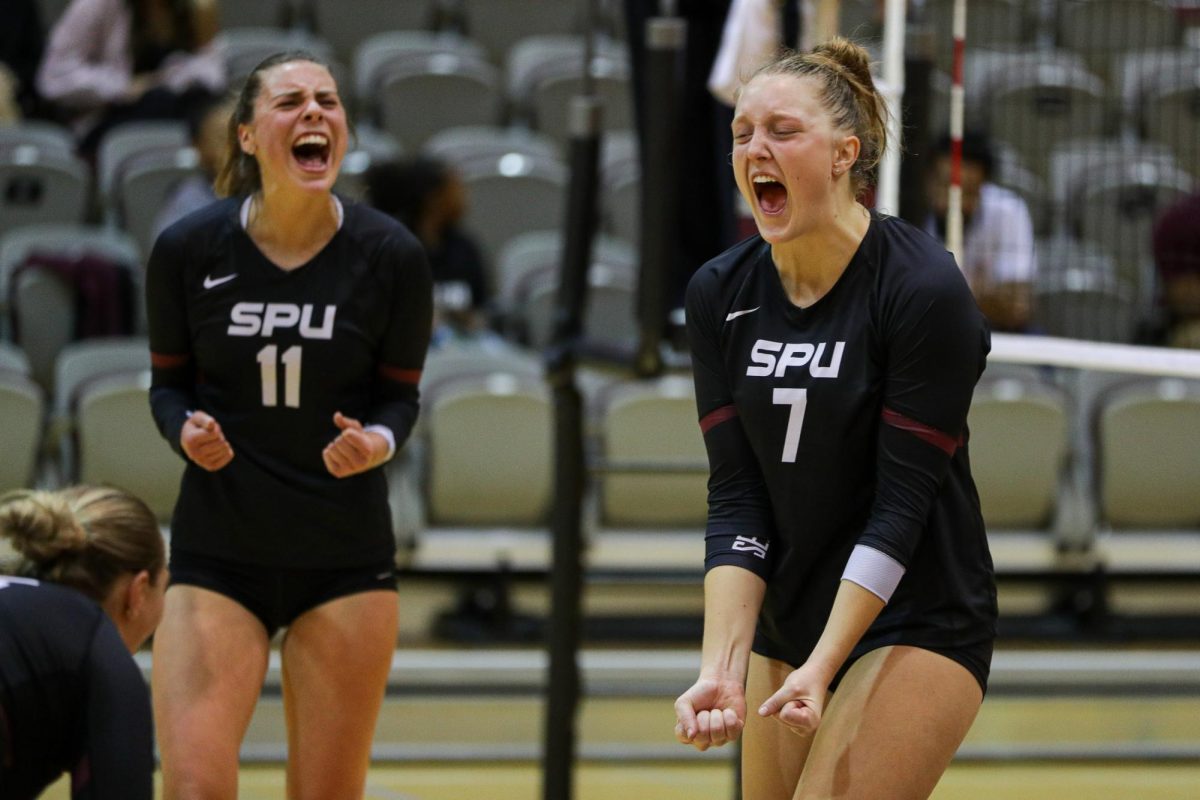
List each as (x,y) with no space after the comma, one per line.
(773,756)
(210,658)
(336,661)
(897,705)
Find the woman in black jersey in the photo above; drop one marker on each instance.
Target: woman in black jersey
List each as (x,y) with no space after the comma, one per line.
(288,331)
(849,593)
(87,591)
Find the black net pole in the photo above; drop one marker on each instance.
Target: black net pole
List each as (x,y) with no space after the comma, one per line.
(566,578)
(666,37)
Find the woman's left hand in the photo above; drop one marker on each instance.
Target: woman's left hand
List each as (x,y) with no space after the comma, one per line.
(800,702)
(354,450)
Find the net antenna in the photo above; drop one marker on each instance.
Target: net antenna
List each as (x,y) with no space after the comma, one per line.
(891,87)
(954,217)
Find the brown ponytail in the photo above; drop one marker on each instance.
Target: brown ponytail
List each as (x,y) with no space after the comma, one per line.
(84,537)
(239,175)
(848,92)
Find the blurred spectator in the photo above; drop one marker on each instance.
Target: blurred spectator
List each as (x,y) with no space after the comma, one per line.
(997,250)
(114,61)
(208,124)
(1177,257)
(430,199)
(21,44)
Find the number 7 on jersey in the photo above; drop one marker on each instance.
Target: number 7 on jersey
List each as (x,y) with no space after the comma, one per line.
(798,400)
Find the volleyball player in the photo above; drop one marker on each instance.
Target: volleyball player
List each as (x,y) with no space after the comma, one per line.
(288,331)
(849,594)
(92,573)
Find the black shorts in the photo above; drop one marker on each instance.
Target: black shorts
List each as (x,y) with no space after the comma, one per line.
(277,596)
(976,658)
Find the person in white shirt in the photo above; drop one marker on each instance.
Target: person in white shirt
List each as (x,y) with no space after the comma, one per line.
(998,257)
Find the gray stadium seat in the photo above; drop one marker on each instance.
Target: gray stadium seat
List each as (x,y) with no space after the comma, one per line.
(466,146)
(652,423)
(47,136)
(243,48)
(41,185)
(1165,97)
(1148,468)
(13,359)
(1019,446)
(144,184)
(480,516)
(513,194)
(444,75)
(621,185)
(1111,193)
(46,303)
(1036,98)
(77,365)
(120,445)
(451,90)
(545,72)
(47,320)
(1079,294)
(530,253)
(134,140)
(345,24)
(21,406)
(609,323)
(989,23)
(499,24)
(1099,29)
(260,14)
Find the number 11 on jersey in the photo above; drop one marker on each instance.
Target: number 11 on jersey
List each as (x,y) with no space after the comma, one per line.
(798,400)
(267,359)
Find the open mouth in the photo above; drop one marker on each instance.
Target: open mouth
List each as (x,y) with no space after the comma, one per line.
(312,151)
(771,194)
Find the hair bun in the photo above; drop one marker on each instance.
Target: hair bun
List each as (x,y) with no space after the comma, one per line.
(40,525)
(851,57)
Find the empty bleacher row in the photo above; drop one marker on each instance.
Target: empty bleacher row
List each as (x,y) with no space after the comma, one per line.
(1077,471)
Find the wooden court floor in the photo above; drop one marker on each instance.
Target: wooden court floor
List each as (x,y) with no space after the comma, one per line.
(1009,781)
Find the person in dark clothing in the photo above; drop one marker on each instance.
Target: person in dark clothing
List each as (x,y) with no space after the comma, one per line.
(430,199)
(86,592)
(21,43)
(849,591)
(288,332)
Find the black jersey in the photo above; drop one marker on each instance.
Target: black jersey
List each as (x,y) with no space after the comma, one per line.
(271,354)
(71,698)
(844,423)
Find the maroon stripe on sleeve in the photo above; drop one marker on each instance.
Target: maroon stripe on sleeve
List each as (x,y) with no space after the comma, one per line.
(168,361)
(714,418)
(942,441)
(398,375)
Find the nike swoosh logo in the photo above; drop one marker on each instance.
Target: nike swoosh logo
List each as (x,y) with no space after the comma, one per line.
(211,282)
(732,315)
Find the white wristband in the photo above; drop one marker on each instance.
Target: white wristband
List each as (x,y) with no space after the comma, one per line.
(385,432)
(873,570)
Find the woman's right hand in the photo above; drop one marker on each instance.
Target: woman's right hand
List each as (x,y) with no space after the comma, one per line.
(711,713)
(204,443)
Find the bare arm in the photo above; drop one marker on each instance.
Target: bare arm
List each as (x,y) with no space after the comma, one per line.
(801,699)
(713,710)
